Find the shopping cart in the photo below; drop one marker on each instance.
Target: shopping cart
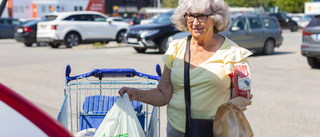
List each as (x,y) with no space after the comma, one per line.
(89,97)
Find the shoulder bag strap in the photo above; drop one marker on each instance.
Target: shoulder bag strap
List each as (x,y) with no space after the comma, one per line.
(187,84)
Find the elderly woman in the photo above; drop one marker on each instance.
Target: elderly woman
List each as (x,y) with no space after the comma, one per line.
(211,60)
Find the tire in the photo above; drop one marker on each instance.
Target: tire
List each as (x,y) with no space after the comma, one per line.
(120,36)
(268,48)
(313,62)
(28,44)
(294,28)
(140,50)
(54,45)
(163,45)
(72,39)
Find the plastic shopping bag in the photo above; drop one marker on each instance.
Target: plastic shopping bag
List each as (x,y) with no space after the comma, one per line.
(230,121)
(120,121)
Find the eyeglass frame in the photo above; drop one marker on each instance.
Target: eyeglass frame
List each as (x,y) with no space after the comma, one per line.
(196,17)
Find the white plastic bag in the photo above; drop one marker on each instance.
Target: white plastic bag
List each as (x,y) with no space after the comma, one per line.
(120,121)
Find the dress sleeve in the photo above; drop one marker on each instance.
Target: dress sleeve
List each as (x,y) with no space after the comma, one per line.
(234,55)
(171,53)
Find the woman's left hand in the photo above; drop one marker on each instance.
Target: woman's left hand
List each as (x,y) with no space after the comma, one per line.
(240,103)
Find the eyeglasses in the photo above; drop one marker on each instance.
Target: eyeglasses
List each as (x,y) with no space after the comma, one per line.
(201,18)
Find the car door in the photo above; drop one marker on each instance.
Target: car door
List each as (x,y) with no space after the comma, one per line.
(238,32)
(84,24)
(107,30)
(7,28)
(256,33)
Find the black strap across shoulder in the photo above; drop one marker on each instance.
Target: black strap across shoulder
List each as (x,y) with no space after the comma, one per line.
(194,127)
(187,83)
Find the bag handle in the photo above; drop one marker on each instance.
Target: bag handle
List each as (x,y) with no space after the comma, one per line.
(187,85)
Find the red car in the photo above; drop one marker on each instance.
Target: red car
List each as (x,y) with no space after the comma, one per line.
(19,117)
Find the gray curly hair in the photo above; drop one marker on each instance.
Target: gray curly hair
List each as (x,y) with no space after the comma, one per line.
(219,9)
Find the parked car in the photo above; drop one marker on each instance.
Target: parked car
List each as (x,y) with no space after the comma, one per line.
(153,35)
(254,32)
(21,117)
(304,21)
(285,21)
(310,46)
(74,28)
(7,27)
(27,33)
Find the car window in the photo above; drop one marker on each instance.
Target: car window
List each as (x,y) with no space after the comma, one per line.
(5,21)
(314,22)
(15,22)
(270,23)
(240,24)
(255,23)
(284,17)
(163,18)
(99,18)
(79,18)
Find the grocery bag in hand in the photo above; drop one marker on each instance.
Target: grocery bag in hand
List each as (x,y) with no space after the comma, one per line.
(230,121)
(121,120)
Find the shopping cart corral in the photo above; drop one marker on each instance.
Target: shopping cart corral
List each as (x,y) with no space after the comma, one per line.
(89,97)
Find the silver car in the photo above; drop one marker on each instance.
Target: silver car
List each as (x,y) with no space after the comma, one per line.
(255,32)
(310,46)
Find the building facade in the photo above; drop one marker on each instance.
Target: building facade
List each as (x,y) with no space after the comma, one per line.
(126,7)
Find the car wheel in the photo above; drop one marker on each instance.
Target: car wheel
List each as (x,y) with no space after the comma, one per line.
(54,45)
(140,50)
(268,48)
(313,62)
(294,28)
(72,39)
(28,44)
(120,36)
(163,45)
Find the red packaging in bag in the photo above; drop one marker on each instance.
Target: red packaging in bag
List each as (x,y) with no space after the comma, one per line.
(241,80)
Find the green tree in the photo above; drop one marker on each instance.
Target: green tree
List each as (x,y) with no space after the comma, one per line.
(169,3)
(294,6)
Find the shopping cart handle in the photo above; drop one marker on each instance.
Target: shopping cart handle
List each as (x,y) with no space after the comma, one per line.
(101,73)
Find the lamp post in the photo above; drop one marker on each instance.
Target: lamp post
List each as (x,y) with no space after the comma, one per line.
(2,6)
(158,6)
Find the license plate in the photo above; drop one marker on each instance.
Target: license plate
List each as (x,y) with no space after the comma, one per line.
(132,40)
(20,30)
(43,26)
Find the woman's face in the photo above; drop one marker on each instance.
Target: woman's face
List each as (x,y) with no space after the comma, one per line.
(199,25)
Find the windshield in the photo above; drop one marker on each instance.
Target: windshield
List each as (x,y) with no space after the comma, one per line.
(314,22)
(164,18)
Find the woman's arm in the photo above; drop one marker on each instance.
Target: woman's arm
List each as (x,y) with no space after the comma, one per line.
(159,96)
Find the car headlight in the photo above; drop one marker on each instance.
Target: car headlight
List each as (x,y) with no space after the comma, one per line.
(145,33)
